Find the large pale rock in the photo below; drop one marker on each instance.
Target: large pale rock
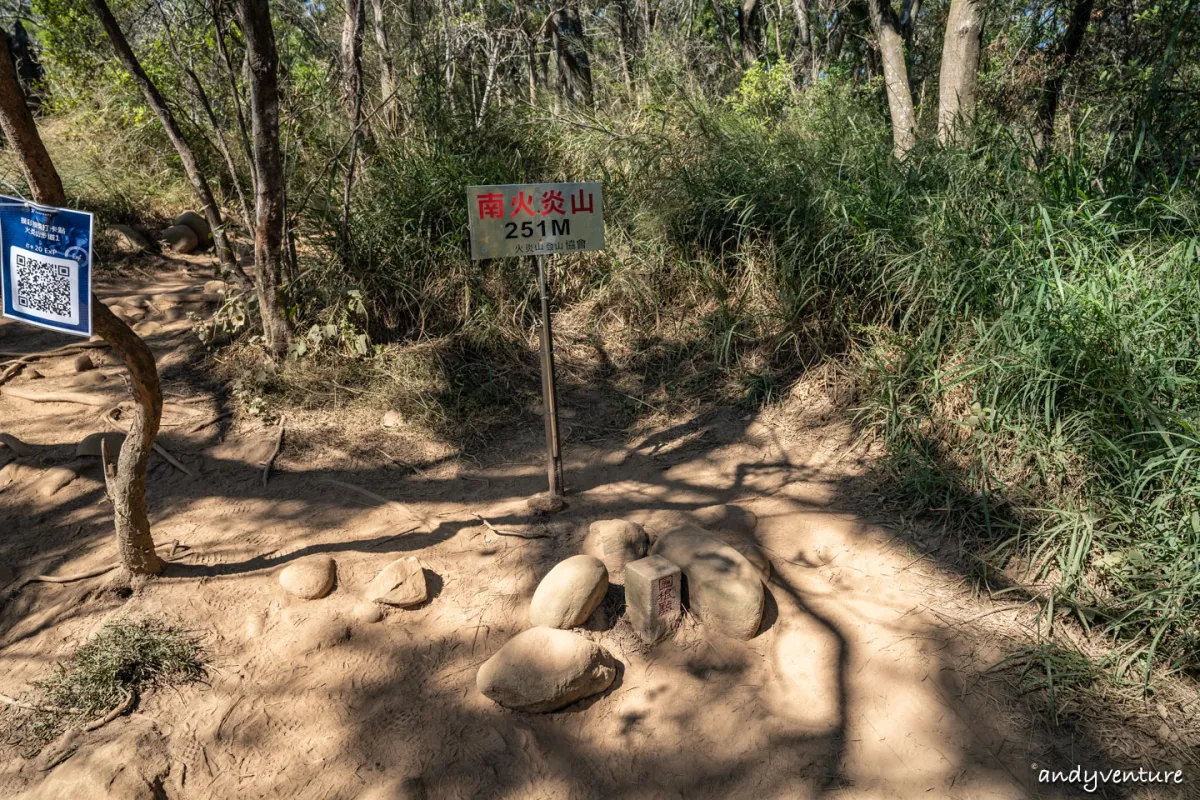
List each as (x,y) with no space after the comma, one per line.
(543,669)
(726,519)
(198,224)
(400,583)
(616,542)
(721,587)
(181,238)
(309,578)
(129,240)
(569,593)
(659,521)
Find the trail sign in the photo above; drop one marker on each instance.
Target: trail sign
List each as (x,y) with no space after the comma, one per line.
(538,219)
(535,219)
(46,265)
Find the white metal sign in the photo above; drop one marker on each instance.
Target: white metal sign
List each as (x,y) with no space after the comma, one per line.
(535,219)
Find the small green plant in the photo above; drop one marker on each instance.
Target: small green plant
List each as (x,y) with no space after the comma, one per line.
(766,91)
(122,660)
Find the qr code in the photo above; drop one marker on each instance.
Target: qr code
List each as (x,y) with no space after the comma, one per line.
(45,286)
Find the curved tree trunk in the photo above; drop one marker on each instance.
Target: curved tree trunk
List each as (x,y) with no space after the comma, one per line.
(895,75)
(960,68)
(1081,14)
(263,62)
(156,102)
(127,489)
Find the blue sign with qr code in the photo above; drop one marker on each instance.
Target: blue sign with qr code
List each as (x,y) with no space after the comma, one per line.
(46,265)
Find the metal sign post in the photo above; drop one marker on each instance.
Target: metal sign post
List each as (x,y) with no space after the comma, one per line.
(537,220)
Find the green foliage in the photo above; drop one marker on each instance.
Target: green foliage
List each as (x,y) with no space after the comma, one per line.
(766,91)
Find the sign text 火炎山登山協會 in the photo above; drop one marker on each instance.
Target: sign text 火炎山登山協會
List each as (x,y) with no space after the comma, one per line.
(46,265)
(535,219)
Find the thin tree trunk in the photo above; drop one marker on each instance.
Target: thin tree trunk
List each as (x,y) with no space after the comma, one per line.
(387,83)
(574,64)
(127,489)
(352,96)
(749,23)
(1081,14)
(263,62)
(719,15)
(231,74)
(159,105)
(960,68)
(803,34)
(895,75)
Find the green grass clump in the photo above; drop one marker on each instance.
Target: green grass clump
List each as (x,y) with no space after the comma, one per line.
(124,656)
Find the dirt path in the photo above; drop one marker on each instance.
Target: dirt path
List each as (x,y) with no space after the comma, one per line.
(868,680)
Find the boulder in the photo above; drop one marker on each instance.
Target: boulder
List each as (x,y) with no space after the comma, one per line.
(545,503)
(569,593)
(181,238)
(309,578)
(401,583)
(199,226)
(726,519)
(90,445)
(410,788)
(720,586)
(616,542)
(83,362)
(543,669)
(660,520)
(129,240)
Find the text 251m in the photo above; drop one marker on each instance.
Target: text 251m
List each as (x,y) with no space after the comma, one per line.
(527,230)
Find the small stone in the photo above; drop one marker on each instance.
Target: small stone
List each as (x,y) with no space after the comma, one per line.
(147,328)
(653,597)
(546,503)
(181,238)
(215,287)
(199,226)
(83,362)
(401,583)
(92,378)
(309,578)
(392,419)
(569,593)
(616,542)
(174,314)
(722,588)
(544,669)
(368,613)
(410,788)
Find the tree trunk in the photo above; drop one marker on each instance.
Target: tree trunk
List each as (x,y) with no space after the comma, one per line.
(571,57)
(960,68)
(1081,14)
(352,96)
(803,35)
(387,83)
(719,15)
(127,489)
(159,105)
(749,23)
(263,62)
(895,75)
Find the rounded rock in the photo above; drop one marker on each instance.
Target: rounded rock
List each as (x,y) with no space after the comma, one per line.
(726,519)
(128,239)
(722,588)
(91,445)
(544,669)
(83,362)
(309,578)
(181,238)
(401,583)
(616,542)
(199,226)
(569,593)
(392,419)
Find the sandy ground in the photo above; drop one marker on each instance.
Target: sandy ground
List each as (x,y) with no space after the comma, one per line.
(869,678)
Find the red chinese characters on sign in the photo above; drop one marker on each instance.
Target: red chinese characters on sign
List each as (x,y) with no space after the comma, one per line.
(552,203)
(522,204)
(491,205)
(578,206)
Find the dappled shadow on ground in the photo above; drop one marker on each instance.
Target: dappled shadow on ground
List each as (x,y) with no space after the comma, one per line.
(854,688)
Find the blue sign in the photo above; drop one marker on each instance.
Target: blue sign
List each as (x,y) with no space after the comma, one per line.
(46,265)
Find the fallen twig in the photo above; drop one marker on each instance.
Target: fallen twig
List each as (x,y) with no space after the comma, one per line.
(121,708)
(199,426)
(366,493)
(274,453)
(494,529)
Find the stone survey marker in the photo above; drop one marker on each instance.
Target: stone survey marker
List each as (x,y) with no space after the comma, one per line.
(652,597)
